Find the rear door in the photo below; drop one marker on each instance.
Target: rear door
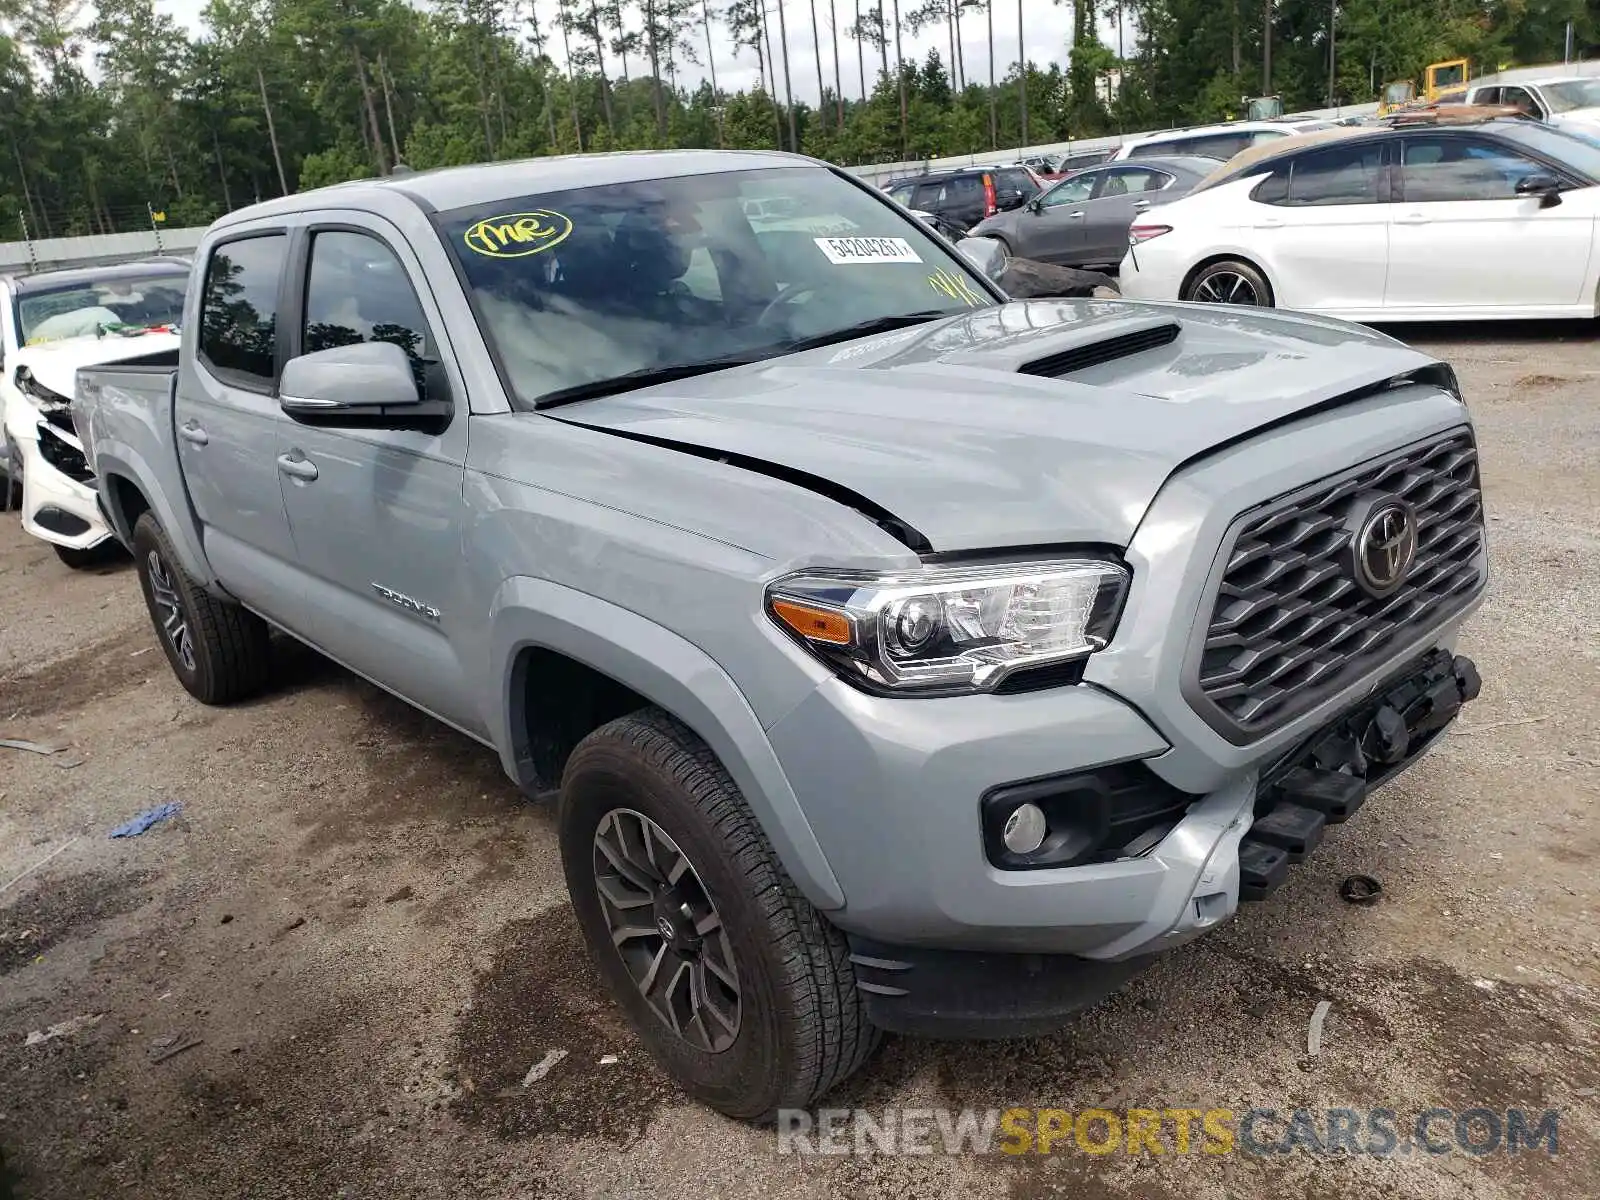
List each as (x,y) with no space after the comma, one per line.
(1322,229)
(1120,194)
(228,419)
(377,513)
(1463,238)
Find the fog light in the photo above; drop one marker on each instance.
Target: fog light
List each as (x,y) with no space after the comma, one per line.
(1025,829)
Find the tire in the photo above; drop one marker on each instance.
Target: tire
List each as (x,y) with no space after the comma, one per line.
(219,651)
(1229,282)
(107,552)
(798,1025)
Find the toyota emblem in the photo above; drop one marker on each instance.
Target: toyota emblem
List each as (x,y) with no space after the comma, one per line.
(1385,547)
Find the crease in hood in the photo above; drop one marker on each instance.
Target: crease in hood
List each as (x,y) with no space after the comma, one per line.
(937,426)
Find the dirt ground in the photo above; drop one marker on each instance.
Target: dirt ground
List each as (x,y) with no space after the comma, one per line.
(329,975)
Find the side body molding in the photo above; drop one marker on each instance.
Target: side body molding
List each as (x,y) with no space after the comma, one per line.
(669,671)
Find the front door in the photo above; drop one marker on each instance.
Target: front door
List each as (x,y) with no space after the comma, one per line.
(1054,233)
(227,419)
(377,513)
(1462,237)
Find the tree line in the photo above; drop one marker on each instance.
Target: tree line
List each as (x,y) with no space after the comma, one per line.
(114,112)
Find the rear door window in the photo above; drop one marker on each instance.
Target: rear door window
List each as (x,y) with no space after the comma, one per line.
(239,310)
(1339,175)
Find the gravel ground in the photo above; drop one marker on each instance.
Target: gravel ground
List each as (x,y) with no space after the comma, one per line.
(330,974)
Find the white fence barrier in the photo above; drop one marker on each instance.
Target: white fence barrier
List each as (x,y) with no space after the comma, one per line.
(45,254)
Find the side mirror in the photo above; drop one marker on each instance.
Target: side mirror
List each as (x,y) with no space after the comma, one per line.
(1036,205)
(1546,187)
(985,253)
(368,384)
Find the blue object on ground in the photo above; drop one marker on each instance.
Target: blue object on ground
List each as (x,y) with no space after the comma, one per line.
(146,819)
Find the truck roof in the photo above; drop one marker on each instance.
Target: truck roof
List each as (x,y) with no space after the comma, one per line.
(455,187)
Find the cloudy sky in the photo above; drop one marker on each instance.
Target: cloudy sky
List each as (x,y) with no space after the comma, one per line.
(1048,29)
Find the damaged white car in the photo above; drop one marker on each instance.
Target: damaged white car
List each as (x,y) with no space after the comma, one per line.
(52,323)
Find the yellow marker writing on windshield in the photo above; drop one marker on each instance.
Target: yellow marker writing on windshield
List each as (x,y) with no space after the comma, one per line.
(956,287)
(517,235)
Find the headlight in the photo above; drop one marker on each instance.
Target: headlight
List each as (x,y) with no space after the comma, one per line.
(28,385)
(945,629)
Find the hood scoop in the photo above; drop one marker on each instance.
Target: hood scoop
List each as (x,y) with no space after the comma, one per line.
(1123,345)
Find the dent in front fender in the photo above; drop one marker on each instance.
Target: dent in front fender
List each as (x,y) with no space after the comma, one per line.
(670,672)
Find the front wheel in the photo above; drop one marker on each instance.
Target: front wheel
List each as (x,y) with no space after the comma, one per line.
(219,651)
(107,552)
(738,987)
(1230,282)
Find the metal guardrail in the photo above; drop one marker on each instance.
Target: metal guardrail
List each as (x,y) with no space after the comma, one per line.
(45,254)
(878,172)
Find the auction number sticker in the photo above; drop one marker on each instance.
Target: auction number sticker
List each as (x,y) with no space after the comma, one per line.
(517,235)
(841,250)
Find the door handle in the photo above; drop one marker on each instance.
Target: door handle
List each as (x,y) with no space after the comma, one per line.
(1073,216)
(1269,223)
(1411,219)
(1140,205)
(190,431)
(299,468)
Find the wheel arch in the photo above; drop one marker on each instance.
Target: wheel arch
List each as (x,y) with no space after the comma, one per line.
(126,494)
(544,635)
(1214,259)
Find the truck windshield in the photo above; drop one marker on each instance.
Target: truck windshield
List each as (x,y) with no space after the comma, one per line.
(1572,94)
(87,308)
(655,278)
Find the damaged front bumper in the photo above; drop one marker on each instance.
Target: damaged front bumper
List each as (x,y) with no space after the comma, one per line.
(59,502)
(1234,845)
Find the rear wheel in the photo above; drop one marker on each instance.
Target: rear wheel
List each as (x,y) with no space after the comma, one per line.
(219,651)
(1230,282)
(738,987)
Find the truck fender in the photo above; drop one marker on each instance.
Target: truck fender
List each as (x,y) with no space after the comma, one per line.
(670,672)
(118,459)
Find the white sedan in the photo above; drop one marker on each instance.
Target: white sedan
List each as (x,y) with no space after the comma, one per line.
(1483,219)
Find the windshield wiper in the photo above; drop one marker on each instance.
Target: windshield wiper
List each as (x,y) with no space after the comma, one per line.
(627,382)
(862,329)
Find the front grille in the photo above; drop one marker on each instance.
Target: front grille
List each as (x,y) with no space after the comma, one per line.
(1291,625)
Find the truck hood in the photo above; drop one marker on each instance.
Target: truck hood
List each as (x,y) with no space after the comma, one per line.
(1033,423)
(55,364)
(1586,117)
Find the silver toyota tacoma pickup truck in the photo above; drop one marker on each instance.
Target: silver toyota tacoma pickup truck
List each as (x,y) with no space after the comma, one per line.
(904,658)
